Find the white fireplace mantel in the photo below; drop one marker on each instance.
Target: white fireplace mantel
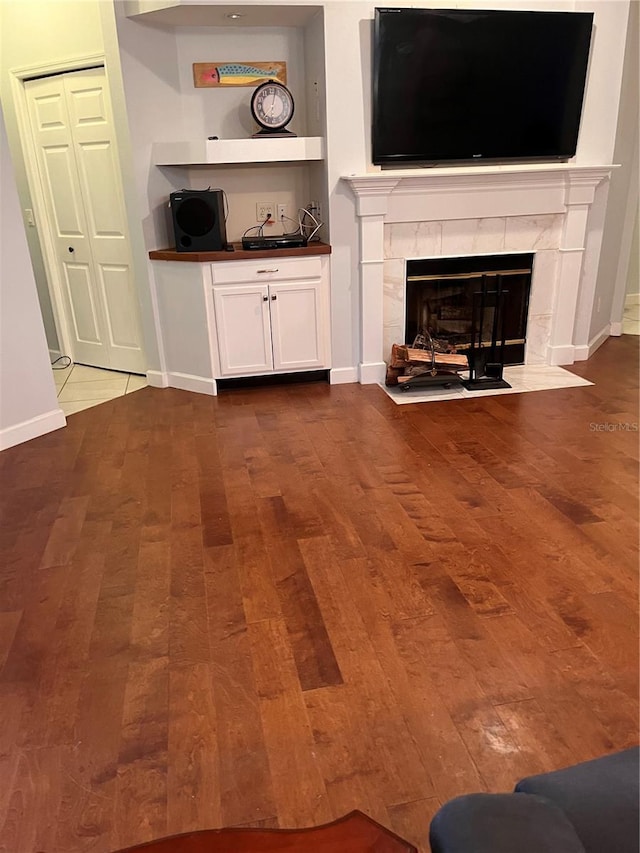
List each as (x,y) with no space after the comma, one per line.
(466,193)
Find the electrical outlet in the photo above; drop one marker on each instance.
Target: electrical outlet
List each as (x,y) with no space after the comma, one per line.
(264,210)
(282,212)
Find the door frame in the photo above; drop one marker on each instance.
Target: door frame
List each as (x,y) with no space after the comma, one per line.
(44,227)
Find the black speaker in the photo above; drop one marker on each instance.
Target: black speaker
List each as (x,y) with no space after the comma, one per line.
(198,220)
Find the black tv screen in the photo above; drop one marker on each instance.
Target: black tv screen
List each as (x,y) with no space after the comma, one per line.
(472,85)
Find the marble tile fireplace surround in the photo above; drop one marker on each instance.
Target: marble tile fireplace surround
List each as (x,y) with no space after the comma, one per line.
(449,212)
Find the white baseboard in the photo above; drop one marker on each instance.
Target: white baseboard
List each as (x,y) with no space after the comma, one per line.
(632,299)
(25,431)
(561,355)
(585,352)
(183,381)
(343,375)
(188,382)
(157,379)
(616,330)
(372,373)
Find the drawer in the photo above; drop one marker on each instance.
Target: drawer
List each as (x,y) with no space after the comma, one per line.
(266,270)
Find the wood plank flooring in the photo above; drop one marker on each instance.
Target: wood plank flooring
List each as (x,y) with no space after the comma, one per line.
(278,605)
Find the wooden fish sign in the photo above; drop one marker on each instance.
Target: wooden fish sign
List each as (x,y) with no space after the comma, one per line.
(211,74)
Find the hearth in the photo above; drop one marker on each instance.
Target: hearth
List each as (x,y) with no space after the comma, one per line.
(456,300)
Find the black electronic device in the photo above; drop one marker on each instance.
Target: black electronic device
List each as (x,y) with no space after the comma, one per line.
(198,218)
(474,85)
(283,241)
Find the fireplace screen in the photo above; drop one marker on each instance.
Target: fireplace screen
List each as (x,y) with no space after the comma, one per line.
(444,300)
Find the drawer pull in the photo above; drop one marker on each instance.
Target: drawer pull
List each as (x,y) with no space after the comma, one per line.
(265,298)
(263,271)
(273,298)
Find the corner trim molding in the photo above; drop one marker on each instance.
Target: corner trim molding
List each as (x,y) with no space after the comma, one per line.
(189,382)
(582,353)
(157,379)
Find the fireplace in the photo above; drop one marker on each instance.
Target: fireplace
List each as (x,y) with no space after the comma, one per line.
(446,212)
(446,297)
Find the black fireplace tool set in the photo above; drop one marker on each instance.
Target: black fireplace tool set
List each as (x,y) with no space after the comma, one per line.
(485,357)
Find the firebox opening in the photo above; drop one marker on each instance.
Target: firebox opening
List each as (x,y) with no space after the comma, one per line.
(441,294)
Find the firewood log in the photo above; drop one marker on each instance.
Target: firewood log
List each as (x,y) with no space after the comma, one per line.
(411,354)
(393,373)
(396,359)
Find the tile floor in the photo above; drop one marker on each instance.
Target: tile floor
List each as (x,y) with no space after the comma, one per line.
(81,387)
(522,378)
(631,317)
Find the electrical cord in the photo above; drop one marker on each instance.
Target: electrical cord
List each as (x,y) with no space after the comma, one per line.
(290,233)
(303,213)
(258,228)
(308,230)
(65,358)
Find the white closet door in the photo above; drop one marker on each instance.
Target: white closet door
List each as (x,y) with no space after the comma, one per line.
(73,131)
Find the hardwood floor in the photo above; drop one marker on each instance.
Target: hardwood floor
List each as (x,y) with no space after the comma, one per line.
(278,605)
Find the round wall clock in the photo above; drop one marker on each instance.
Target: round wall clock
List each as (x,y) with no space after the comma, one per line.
(272,107)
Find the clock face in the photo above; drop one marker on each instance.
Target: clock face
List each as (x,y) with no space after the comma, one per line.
(272,106)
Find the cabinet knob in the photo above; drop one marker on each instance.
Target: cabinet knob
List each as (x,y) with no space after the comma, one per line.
(261,272)
(273,298)
(265,298)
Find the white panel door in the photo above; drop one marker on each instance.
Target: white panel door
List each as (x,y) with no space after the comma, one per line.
(242,324)
(73,132)
(297,326)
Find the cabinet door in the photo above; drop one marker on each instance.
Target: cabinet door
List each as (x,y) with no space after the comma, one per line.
(297,325)
(242,323)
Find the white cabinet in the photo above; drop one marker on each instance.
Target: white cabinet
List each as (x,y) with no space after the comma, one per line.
(281,325)
(247,317)
(244,329)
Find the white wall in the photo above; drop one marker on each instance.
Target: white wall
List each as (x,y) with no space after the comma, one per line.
(347,57)
(348,37)
(607,303)
(28,403)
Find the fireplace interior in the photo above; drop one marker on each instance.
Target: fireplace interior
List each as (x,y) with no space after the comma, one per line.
(445,298)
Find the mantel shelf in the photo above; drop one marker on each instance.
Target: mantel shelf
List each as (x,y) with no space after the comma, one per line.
(202,152)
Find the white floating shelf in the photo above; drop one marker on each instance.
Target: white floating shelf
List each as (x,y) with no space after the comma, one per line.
(221,151)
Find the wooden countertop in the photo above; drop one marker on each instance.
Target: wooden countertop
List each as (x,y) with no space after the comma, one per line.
(239,254)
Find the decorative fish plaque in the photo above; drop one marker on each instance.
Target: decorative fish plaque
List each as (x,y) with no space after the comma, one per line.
(211,74)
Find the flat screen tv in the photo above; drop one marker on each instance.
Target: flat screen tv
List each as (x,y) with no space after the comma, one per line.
(471,85)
